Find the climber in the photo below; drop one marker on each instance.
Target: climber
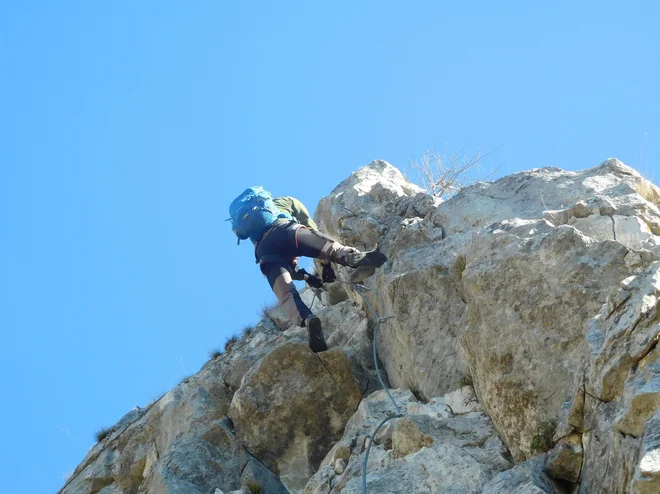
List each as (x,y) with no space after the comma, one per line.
(281,230)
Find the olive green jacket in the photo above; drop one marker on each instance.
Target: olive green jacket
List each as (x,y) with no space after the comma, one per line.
(296,209)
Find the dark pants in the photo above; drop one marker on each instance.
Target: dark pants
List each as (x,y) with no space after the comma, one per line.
(277,249)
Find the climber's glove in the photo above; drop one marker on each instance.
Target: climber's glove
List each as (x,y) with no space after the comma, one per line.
(313,281)
(328,274)
(297,273)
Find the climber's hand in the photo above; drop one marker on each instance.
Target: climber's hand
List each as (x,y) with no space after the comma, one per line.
(297,273)
(313,281)
(328,274)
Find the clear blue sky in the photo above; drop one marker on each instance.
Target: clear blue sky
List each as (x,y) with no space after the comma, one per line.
(126,128)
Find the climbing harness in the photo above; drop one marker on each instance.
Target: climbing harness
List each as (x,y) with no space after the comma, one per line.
(361,291)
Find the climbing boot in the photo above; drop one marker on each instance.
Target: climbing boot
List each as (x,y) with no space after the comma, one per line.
(316,340)
(373,258)
(366,264)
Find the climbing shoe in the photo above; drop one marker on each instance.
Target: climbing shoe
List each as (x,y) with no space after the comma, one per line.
(316,340)
(373,258)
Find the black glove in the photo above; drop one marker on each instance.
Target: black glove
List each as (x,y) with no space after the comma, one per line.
(297,273)
(313,281)
(328,274)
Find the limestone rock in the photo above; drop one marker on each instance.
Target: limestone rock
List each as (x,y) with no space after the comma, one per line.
(178,444)
(535,289)
(255,472)
(565,459)
(357,208)
(525,478)
(497,282)
(463,400)
(292,407)
(647,474)
(618,398)
(407,439)
(428,453)
(340,466)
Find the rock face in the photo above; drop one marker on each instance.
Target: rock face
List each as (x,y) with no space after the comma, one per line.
(429,450)
(498,282)
(616,402)
(179,444)
(526,478)
(292,407)
(524,330)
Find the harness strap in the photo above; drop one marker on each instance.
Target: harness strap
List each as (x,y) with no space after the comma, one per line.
(265,259)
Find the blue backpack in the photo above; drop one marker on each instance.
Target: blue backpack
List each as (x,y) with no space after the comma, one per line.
(253,212)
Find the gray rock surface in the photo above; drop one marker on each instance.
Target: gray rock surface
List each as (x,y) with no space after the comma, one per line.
(646,478)
(565,460)
(178,444)
(525,320)
(292,407)
(525,478)
(429,452)
(616,400)
(497,283)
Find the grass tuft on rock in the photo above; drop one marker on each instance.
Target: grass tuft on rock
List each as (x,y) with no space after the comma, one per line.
(254,487)
(542,440)
(247,330)
(215,353)
(267,310)
(230,342)
(102,433)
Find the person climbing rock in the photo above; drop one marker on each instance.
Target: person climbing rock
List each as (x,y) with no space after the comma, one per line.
(282,230)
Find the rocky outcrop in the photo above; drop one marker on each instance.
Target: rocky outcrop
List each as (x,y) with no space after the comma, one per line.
(429,450)
(498,282)
(565,460)
(526,478)
(292,407)
(179,444)
(616,403)
(522,343)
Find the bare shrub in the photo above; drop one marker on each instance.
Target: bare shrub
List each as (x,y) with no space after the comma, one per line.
(443,176)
